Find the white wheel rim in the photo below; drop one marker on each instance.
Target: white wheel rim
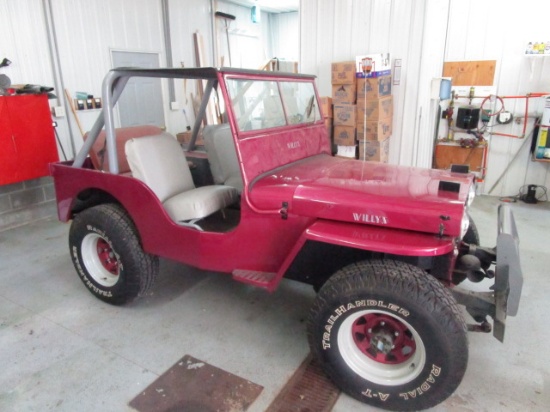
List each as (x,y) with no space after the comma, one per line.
(375,371)
(95,264)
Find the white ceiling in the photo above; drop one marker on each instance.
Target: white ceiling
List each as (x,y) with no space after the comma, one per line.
(271,6)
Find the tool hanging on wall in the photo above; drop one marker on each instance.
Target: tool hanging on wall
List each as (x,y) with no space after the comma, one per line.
(227,19)
(70,103)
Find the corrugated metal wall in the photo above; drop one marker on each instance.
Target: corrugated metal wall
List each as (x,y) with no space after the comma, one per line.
(338,31)
(500,30)
(424,34)
(286,44)
(87,32)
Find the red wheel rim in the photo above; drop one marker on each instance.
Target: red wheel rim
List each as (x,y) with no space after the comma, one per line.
(383,338)
(107,256)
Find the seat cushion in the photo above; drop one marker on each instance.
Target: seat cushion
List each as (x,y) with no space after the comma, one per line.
(200,202)
(159,162)
(222,156)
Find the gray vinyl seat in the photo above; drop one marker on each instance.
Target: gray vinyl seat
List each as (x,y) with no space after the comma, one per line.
(159,162)
(222,156)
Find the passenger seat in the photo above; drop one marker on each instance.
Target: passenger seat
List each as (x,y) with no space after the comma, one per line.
(159,162)
(99,153)
(222,156)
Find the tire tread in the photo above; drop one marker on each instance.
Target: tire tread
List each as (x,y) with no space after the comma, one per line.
(402,279)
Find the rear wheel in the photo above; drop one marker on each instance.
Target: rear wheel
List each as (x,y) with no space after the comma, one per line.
(389,335)
(107,254)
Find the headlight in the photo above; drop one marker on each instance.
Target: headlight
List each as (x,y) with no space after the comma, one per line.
(464,225)
(471,195)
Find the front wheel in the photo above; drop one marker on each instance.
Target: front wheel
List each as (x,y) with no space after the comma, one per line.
(472,235)
(107,254)
(389,335)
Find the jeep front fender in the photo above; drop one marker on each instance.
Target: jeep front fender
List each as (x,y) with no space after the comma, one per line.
(379,239)
(370,238)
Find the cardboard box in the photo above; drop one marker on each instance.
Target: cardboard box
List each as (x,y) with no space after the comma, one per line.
(326,106)
(381,65)
(374,151)
(343,72)
(344,114)
(376,87)
(349,152)
(344,93)
(375,110)
(185,138)
(344,135)
(380,130)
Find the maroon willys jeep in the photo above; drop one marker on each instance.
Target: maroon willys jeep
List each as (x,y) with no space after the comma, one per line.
(385,246)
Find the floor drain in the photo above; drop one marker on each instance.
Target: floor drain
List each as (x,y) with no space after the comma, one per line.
(309,389)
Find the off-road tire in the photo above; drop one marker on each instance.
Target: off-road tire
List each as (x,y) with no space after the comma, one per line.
(393,298)
(472,235)
(107,254)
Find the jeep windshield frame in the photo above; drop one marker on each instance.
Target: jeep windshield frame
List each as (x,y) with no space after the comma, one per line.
(262,104)
(116,79)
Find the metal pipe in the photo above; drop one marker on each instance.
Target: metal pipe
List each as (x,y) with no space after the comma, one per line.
(527,96)
(505,134)
(201,113)
(113,81)
(168,47)
(56,62)
(509,163)
(526,114)
(98,125)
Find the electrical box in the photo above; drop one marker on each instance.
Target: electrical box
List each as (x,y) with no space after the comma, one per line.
(468,117)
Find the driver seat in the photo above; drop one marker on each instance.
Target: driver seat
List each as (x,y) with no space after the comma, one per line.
(159,162)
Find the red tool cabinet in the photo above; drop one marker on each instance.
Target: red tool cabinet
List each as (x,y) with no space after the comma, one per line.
(27,141)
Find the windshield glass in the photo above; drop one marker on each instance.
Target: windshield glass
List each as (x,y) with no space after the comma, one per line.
(261,104)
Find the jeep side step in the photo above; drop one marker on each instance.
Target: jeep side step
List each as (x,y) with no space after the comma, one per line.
(256,278)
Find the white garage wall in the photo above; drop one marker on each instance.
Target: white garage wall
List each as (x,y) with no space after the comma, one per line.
(24,40)
(409,30)
(87,31)
(416,31)
(500,30)
(286,36)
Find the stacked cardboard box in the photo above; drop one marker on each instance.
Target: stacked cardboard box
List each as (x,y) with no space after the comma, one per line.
(374,116)
(344,89)
(326,112)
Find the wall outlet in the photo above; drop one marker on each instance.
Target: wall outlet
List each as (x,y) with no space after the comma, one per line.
(58,111)
(175,105)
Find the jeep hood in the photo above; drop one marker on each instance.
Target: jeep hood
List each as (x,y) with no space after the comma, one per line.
(349,190)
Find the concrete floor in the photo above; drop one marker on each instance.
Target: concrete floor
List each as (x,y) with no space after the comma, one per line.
(62,349)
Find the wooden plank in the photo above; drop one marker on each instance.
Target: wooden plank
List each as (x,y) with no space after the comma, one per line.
(471,73)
